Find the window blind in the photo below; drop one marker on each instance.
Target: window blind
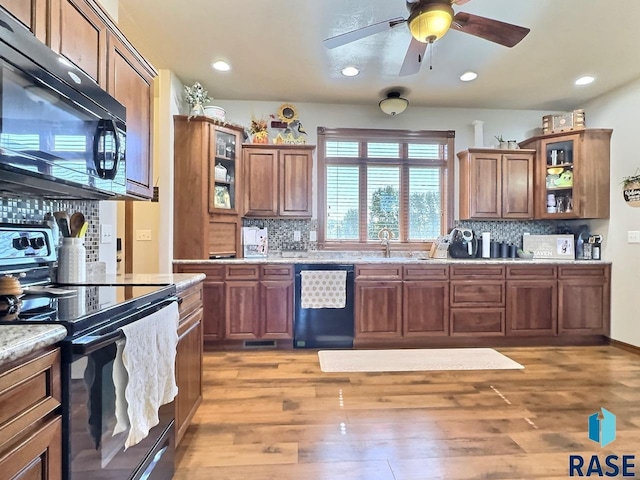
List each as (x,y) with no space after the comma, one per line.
(343,204)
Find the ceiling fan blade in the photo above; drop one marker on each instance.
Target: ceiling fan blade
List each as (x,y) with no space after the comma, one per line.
(413,58)
(363,32)
(505,34)
(460,2)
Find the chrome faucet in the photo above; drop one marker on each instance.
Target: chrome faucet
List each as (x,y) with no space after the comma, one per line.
(385,235)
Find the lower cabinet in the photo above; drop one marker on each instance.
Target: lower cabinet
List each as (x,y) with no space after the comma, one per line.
(259,302)
(189,359)
(425,300)
(378,309)
(31,427)
(532,300)
(584,296)
(477,300)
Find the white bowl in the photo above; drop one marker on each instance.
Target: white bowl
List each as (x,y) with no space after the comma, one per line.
(216,112)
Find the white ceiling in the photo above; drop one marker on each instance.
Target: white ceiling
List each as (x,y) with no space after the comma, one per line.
(276,51)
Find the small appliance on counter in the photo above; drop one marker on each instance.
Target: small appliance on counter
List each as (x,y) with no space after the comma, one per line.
(463,243)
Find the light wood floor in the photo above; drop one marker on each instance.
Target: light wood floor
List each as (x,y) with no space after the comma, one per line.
(274,415)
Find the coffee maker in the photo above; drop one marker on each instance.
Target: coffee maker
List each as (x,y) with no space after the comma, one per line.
(463,243)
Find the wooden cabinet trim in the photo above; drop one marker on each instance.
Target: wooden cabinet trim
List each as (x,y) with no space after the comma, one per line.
(582,271)
(527,272)
(477,294)
(242,272)
(469,272)
(384,272)
(191,300)
(276,272)
(426,272)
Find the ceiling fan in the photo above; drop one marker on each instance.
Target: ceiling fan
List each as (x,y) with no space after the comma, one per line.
(428,21)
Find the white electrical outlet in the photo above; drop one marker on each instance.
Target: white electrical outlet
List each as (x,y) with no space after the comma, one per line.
(297,236)
(633,236)
(106,233)
(143,235)
(312,236)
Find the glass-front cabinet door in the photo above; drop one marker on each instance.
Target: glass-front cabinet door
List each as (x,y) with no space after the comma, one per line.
(223,170)
(561,188)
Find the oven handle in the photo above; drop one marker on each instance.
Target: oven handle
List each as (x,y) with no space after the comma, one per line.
(90,343)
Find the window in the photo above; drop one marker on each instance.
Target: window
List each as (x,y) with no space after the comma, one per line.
(374,179)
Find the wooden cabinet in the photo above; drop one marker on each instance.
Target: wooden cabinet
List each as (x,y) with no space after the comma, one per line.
(212,298)
(129,81)
(278,180)
(206,214)
(378,305)
(189,359)
(79,34)
(33,15)
(477,300)
(31,428)
(532,300)
(496,184)
(425,301)
(572,174)
(584,295)
(259,302)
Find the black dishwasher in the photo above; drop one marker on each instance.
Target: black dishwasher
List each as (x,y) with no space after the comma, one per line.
(324,327)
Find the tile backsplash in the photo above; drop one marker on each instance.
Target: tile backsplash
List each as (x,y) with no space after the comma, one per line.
(33,210)
(510,231)
(281,232)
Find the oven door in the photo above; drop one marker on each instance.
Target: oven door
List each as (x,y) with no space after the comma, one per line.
(93,451)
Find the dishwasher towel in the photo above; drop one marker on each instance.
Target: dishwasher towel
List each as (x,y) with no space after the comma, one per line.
(323,289)
(144,372)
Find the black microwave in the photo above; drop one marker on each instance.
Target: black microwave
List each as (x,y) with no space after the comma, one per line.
(61,135)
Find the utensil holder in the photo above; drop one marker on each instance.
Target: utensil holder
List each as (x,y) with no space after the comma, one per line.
(72,261)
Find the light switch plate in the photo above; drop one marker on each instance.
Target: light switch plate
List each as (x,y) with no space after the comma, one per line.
(297,236)
(143,235)
(312,236)
(106,233)
(633,236)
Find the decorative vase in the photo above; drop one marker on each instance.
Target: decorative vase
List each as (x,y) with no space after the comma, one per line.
(260,138)
(196,110)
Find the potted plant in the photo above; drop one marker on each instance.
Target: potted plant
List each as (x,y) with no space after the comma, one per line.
(258,129)
(502,143)
(631,189)
(196,96)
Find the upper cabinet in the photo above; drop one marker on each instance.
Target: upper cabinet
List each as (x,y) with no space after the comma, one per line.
(83,34)
(277,180)
(496,184)
(33,14)
(572,174)
(129,81)
(207,202)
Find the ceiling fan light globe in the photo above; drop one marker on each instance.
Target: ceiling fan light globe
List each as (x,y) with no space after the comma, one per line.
(430,23)
(393,105)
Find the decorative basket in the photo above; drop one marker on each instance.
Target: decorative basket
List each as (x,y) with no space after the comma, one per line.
(220,173)
(563,122)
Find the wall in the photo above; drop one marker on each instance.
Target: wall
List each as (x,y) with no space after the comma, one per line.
(618,110)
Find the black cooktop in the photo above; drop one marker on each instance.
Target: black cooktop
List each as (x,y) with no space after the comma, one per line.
(88,307)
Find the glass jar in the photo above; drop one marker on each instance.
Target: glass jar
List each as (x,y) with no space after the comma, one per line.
(72,260)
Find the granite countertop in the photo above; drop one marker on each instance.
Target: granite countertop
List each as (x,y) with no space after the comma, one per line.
(393,260)
(182,281)
(17,341)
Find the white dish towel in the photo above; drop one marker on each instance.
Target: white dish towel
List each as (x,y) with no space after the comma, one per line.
(144,372)
(323,289)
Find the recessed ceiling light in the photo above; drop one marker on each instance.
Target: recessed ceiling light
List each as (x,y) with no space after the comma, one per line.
(468,76)
(350,71)
(586,80)
(221,66)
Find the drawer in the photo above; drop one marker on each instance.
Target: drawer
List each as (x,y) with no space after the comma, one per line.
(277,272)
(471,272)
(382,272)
(426,272)
(28,393)
(477,294)
(213,272)
(581,271)
(477,321)
(242,272)
(191,300)
(530,272)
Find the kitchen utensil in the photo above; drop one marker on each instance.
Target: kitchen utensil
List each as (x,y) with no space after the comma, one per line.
(76,223)
(64,223)
(83,230)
